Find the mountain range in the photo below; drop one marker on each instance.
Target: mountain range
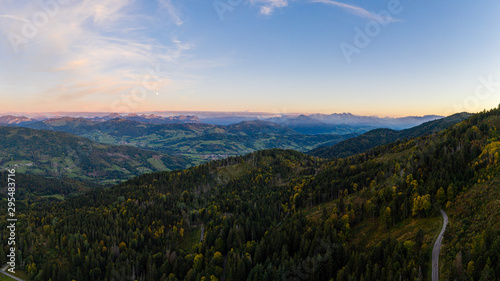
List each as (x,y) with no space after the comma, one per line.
(283,215)
(378,137)
(326,123)
(198,141)
(135,147)
(154,119)
(348,119)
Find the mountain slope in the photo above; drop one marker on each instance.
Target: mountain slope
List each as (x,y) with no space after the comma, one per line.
(284,215)
(200,142)
(10,119)
(60,154)
(378,137)
(256,127)
(348,121)
(310,126)
(31,186)
(373,121)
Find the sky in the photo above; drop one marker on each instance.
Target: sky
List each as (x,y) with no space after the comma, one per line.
(385,58)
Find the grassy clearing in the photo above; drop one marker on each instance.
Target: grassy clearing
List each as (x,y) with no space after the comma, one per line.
(234,171)
(5,278)
(19,274)
(369,232)
(18,163)
(191,238)
(56,196)
(316,212)
(393,156)
(158,164)
(113,181)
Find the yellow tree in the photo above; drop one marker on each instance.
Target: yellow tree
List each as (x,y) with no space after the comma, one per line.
(441,196)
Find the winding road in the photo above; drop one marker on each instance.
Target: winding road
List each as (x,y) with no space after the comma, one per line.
(437,247)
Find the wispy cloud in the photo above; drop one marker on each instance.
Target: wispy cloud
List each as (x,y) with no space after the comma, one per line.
(358,11)
(93,49)
(172,11)
(267,7)
(14,18)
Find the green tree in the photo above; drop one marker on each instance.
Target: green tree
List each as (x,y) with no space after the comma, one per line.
(386,218)
(441,196)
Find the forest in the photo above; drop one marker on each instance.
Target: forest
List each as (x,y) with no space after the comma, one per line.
(283,215)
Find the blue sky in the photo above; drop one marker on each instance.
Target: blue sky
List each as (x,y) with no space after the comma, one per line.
(385,58)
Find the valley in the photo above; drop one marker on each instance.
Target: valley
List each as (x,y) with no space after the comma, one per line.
(278,213)
(197,142)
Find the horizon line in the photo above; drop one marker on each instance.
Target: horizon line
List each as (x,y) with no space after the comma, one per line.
(17,113)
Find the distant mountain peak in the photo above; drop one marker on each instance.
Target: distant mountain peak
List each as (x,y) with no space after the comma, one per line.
(11,119)
(114,115)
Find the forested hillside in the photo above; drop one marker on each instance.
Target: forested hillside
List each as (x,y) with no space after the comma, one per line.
(32,186)
(283,215)
(197,141)
(378,137)
(58,154)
